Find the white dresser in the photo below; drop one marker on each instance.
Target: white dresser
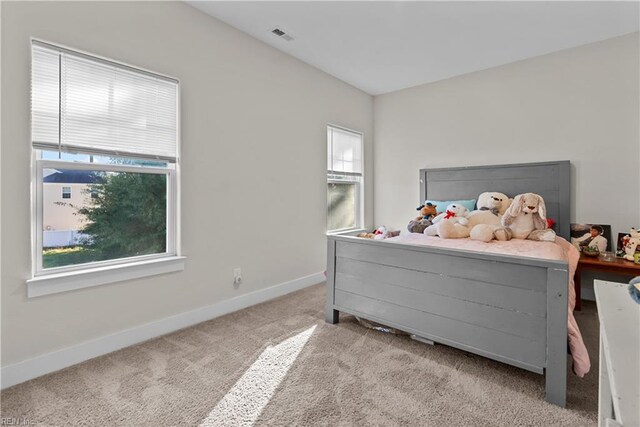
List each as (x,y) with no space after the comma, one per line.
(619,389)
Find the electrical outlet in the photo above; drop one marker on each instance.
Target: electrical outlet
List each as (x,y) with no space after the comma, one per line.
(237,277)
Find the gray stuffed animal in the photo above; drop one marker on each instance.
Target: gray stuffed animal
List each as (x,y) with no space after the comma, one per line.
(418,226)
(427,213)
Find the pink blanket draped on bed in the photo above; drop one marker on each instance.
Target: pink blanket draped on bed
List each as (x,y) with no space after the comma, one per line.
(560,250)
(581,363)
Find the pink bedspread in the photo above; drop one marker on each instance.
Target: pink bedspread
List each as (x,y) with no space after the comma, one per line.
(560,250)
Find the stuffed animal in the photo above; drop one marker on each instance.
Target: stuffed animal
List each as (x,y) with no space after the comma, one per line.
(427,213)
(631,244)
(551,223)
(526,218)
(380,233)
(451,224)
(494,201)
(485,220)
(418,226)
(366,235)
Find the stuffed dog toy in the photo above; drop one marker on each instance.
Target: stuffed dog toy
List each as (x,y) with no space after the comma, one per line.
(486,219)
(427,213)
(494,202)
(526,218)
(483,221)
(451,224)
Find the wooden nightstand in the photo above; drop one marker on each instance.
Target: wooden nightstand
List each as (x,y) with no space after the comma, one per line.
(619,266)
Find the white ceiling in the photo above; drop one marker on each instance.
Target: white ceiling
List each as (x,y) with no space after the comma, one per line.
(381,47)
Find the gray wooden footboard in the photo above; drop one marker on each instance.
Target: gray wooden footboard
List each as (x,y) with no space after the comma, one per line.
(507,308)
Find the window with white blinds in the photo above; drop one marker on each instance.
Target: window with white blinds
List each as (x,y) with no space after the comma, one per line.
(81,103)
(344,180)
(344,151)
(106,135)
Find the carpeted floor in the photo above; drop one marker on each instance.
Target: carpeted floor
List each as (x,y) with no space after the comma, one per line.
(342,375)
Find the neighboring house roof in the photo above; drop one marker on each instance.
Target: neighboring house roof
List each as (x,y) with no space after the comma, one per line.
(72,177)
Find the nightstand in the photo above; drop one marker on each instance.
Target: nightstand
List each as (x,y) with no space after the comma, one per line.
(619,266)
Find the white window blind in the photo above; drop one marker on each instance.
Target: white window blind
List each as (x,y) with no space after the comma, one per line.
(344,151)
(86,104)
(45,96)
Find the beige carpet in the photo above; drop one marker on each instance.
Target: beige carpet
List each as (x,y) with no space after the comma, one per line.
(343,375)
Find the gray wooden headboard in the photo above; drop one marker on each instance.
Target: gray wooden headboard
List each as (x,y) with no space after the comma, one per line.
(551,180)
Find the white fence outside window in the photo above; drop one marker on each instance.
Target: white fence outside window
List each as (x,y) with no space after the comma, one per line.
(59,238)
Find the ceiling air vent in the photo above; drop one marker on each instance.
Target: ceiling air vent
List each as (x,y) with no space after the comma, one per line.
(281,33)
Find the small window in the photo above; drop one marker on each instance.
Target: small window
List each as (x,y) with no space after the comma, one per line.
(344,179)
(66,192)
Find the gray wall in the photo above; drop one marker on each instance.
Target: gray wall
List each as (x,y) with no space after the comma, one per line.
(580,104)
(254,164)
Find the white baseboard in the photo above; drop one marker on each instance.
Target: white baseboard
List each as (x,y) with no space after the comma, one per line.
(60,359)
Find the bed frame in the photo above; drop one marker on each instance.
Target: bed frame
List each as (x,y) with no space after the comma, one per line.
(507,308)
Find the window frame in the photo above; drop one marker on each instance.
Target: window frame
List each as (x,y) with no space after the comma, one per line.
(359,185)
(171,214)
(358,204)
(65,193)
(61,279)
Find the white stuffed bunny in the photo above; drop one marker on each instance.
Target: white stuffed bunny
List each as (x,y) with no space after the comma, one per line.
(450,224)
(526,218)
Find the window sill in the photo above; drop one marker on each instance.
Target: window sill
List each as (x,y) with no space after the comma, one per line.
(346,232)
(68,281)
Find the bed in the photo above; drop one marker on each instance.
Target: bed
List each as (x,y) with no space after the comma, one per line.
(512,309)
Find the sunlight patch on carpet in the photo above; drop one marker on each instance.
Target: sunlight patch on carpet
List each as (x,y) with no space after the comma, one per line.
(244,402)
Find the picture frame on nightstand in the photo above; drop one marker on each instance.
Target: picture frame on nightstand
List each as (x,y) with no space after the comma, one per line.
(581,234)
